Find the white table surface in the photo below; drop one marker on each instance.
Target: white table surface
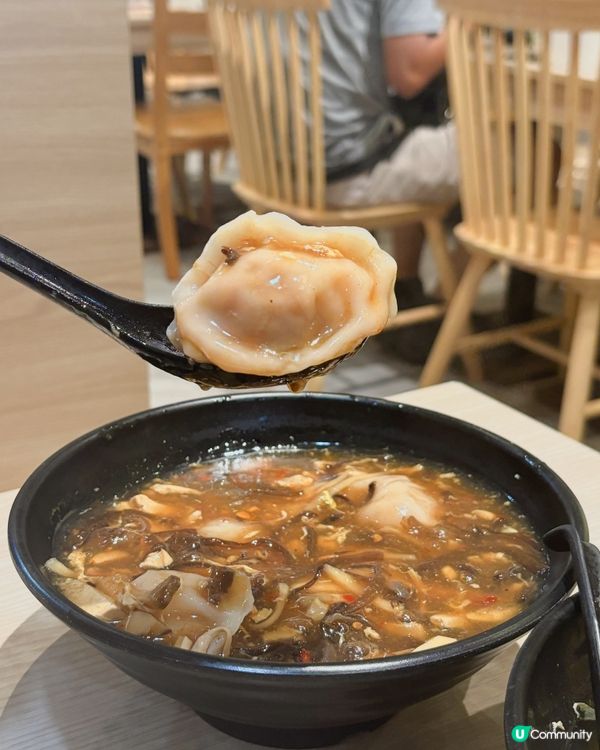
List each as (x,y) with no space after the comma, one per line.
(58,693)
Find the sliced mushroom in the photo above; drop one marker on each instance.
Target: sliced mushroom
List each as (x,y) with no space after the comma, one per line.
(191,600)
(219,583)
(273,615)
(148,581)
(161,596)
(216,642)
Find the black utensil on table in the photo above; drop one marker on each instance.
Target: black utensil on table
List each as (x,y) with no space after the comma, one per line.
(586,564)
(138,326)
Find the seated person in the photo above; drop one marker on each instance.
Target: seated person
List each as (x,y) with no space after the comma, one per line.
(370,51)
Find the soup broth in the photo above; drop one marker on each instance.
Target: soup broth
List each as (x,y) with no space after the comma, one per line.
(311,555)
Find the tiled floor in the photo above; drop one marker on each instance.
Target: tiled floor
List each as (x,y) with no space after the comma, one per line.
(512,376)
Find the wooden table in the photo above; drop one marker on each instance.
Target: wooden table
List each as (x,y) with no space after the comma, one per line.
(58,693)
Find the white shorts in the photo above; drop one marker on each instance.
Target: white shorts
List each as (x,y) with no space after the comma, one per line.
(423,168)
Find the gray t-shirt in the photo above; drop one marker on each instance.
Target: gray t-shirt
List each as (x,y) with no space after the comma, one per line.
(356,106)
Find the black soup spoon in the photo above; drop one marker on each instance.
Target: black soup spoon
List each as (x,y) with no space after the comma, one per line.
(138,326)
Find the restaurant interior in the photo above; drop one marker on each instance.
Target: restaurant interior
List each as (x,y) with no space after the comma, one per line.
(446,154)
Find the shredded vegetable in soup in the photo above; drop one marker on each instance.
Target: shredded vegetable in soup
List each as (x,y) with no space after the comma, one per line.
(304,556)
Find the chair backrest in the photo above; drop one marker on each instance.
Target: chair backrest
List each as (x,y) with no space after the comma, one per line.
(181,48)
(520,125)
(269,54)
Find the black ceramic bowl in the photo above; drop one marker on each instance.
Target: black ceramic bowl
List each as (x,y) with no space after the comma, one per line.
(278,704)
(550,673)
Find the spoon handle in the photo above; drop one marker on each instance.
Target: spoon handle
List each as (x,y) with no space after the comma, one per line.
(591,555)
(58,284)
(586,563)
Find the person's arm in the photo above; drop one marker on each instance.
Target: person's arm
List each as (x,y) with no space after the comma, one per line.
(412,61)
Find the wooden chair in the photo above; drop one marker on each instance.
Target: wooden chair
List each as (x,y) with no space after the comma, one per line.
(166,129)
(273,101)
(509,112)
(185,83)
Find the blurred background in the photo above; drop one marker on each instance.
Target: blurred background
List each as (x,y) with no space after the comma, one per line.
(131,130)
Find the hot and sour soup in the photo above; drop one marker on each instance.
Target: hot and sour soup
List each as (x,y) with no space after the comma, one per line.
(307,556)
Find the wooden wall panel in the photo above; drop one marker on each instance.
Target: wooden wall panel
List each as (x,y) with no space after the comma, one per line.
(67,190)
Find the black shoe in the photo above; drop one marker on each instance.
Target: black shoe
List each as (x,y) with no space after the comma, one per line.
(411,343)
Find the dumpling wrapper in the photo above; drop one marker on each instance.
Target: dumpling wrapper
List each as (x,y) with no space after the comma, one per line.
(271,297)
(396,498)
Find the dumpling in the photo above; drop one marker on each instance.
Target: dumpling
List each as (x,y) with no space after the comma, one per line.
(396,498)
(271,297)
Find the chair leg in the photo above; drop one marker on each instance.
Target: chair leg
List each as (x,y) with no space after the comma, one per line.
(182,186)
(223,156)
(167,229)
(455,321)
(207,191)
(569,311)
(447,278)
(434,232)
(582,358)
